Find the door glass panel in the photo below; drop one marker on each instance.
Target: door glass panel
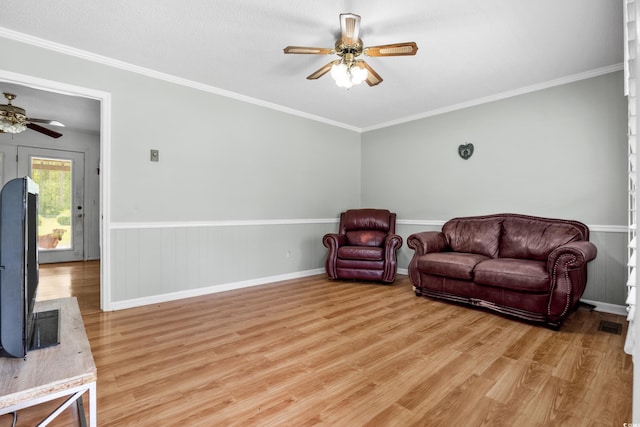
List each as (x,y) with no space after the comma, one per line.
(54,176)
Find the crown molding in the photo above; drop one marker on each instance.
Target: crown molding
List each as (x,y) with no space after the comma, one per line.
(499,96)
(104,60)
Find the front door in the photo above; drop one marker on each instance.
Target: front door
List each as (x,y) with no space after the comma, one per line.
(60,175)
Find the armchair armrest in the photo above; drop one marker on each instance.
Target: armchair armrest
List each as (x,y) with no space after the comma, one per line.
(427,241)
(392,243)
(334,240)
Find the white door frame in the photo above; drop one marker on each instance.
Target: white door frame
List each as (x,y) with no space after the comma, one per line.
(105,164)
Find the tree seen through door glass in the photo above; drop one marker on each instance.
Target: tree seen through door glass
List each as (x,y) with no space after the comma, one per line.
(55,201)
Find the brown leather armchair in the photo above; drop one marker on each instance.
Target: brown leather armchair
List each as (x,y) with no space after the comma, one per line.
(365,246)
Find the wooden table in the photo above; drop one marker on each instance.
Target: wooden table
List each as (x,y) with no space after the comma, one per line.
(67,369)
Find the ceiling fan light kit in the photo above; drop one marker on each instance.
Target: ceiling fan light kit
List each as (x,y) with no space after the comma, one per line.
(14,119)
(348,70)
(348,73)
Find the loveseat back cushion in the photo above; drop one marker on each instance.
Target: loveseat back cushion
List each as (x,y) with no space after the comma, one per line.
(531,238)
(474,235)
(373,238)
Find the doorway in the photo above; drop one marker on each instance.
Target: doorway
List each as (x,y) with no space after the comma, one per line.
(60,176)
(104,166)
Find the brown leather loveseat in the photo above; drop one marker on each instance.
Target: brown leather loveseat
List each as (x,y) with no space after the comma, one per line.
(524,266)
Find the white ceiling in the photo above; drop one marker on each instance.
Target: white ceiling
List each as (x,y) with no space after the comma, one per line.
(468,49)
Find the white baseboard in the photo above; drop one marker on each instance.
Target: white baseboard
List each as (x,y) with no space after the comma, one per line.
(605,307)
(173,296)
(156,299)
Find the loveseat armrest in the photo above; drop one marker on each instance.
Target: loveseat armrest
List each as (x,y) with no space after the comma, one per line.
(567,267)
(426,242)
(423,243)
(582,251)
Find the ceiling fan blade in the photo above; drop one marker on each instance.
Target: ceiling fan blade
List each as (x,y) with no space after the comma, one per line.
(322,71)
(46,122)
(373,78)
(350,28)
(43,130)
(397,49)
(309,50)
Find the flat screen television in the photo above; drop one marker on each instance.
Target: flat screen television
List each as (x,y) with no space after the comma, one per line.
(19,272)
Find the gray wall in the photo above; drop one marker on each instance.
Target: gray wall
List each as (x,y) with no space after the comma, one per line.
(559,152)
(223,159)
(222,162)
(220,158)
(243,193)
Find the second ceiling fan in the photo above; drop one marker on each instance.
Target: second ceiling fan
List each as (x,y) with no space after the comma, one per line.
(13,119)
(348,70)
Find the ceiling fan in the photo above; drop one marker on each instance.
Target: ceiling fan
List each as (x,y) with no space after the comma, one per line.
(14,119)
(348,70)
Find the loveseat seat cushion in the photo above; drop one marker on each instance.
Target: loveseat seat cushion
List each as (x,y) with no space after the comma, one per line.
(474,235)
(533,238)
(450,264)
(516,274)
(369,253)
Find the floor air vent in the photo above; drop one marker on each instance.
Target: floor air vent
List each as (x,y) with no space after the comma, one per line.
(610,327)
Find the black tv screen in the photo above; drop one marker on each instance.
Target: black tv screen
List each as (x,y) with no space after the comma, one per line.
(19,265)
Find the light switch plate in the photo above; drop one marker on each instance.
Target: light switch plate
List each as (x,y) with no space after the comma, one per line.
(155,155)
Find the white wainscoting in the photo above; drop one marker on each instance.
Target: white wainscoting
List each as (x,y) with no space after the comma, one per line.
(157,262)
(166,261)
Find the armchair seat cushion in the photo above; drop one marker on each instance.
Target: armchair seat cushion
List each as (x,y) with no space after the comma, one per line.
(450,264)
(359,264)
(361,252)
(516,274)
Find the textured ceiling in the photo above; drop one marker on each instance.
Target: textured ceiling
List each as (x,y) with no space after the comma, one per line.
(468,49)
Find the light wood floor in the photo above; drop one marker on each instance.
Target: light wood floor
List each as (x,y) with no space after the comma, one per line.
(313,352)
